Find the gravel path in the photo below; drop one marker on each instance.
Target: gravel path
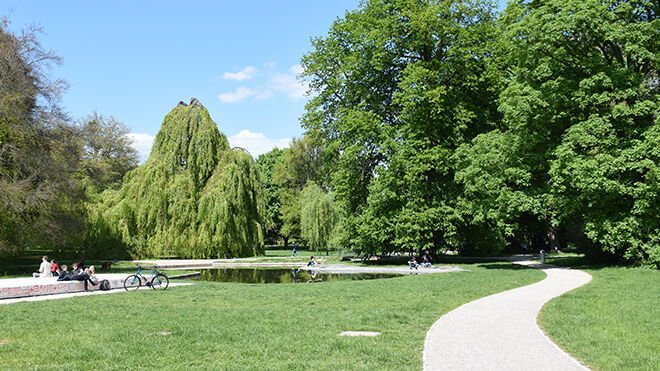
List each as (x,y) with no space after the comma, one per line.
(499,332)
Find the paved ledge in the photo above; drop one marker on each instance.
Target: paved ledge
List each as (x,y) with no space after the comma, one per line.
(29,286)
(323,268)
(338,268)
(75,294)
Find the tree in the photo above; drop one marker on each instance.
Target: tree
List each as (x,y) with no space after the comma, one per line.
(318,216)
(400,85)
(39,203)
(194,197)
(108,153)
(303,162)
(272,220)
(581,109)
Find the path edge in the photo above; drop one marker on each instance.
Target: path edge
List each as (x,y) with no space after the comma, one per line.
(514,259)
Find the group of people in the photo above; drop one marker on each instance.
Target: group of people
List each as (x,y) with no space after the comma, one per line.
(79,271)
(426,263)
(47,269)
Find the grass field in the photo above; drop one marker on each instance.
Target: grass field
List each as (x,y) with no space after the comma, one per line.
(612,323)
(242,326)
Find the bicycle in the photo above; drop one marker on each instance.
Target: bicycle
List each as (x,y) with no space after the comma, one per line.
(157,281)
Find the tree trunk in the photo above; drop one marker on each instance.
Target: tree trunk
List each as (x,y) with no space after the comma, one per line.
(553,238)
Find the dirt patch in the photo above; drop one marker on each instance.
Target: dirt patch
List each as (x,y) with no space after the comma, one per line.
(3,342)
(164,333)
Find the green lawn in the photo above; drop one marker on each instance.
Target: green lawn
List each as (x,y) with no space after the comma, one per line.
(242,326)
(612,323)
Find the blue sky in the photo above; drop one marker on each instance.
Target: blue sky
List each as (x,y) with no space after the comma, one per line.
(135,60)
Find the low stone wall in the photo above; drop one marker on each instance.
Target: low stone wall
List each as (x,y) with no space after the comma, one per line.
(22,287)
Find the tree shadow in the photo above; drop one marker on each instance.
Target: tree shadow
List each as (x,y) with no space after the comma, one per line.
(504,265)
(580,262)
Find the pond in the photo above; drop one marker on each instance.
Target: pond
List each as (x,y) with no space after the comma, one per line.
(278,275)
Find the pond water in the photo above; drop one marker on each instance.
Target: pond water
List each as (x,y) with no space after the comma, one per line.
(279,275)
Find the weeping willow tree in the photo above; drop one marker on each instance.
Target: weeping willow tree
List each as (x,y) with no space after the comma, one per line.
(318,216)
(194,197)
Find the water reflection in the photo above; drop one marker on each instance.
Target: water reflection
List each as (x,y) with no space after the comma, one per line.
(260,275)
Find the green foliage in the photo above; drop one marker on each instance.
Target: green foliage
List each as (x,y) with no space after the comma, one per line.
(194,197)
(318,216)
(39,201)
(107,152)
(400,84)
(302,162)
(271,190)
(582,113)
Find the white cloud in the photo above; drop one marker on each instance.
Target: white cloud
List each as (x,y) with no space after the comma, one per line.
(297,69)
(142,143)
(256,143)
(244,74)
(240,94)
(277,83)
(288,84)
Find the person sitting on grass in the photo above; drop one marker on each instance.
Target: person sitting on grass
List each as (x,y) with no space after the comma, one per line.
(412,263)
(426,263)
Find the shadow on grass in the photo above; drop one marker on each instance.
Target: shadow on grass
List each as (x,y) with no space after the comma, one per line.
(504,265)
(579,263)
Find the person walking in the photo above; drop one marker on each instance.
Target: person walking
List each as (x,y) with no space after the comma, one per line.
(294,252)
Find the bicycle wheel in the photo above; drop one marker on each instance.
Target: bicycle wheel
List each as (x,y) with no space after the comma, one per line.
(132,282)
(160,282)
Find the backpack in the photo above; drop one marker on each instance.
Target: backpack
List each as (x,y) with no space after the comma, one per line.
(105,285)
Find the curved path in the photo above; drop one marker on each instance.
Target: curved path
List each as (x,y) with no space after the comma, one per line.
(499,332)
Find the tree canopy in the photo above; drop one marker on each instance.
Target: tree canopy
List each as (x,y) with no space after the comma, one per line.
(400,84)
(194,197)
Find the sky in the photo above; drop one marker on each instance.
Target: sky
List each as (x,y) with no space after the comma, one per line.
(135,60)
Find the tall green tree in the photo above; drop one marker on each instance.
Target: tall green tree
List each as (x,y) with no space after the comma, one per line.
(194,197)
(272,219)
(40,203)
(400,85)
(581,109)
(303,162)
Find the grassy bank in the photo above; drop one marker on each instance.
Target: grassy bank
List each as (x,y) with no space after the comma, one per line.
(241,326)
(613,323)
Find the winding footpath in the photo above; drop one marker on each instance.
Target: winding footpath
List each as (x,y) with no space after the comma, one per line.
(499,332)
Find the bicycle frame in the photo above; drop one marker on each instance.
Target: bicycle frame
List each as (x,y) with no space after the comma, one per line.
(142,277)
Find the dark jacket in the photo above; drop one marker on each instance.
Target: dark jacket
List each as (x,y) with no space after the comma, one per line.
(65,276)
